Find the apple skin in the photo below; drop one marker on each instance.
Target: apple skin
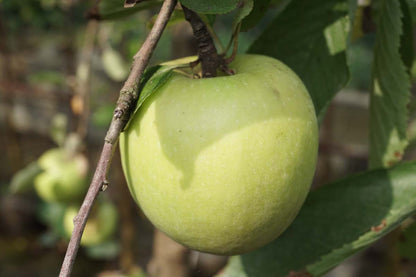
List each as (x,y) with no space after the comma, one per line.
(101,224)
(223,165)
(64,179)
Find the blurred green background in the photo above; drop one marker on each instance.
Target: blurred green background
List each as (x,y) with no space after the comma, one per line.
(50,54)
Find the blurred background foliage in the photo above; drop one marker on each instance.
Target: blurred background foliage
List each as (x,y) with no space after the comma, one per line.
(41,53)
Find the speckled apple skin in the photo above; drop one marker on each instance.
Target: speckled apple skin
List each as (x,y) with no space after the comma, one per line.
(223,165)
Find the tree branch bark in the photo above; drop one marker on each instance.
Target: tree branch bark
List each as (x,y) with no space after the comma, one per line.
(125,104)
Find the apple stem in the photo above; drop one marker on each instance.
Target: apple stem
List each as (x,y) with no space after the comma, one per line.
(207,52)
(234,41)
(125,105)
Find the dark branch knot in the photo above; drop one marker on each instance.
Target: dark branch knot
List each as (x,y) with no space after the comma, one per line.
(118,113)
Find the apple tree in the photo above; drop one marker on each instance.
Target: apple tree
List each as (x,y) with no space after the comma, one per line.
(314,39)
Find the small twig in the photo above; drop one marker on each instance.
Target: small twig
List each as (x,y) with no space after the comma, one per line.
(235,48)
(125,104)
(84,75)
(233,39)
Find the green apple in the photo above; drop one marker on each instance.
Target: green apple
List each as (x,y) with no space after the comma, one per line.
(101,224)
(223,165)
(64,178)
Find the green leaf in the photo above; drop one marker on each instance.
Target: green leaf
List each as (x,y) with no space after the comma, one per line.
(310,37)
(114,9)
(390,88)
(244,8)
(210,6)
(153,78)
(407,40)
(23,180)
(208,19)
(259,9)
(157,79)
(336,221)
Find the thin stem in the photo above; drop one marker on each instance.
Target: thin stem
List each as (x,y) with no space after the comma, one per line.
(84,76)
(126,102)
(235,48)
(233,39)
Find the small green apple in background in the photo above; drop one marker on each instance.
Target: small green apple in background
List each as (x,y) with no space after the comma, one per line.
(101,224)
(64,176)
(223,165)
